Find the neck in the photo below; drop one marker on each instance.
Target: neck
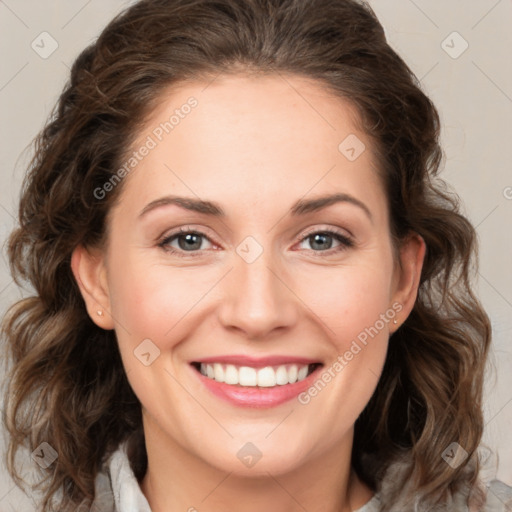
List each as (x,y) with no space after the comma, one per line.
(179,480)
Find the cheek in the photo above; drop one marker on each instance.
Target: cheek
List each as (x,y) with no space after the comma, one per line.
(154,301)
(351,302)
(348,300)
(149,301)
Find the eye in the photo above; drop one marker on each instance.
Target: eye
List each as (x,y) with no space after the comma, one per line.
(187,240)
(322,241)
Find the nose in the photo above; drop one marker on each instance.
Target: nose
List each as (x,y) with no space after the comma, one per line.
(258,300)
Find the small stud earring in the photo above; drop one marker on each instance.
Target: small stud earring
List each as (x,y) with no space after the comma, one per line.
(395,321)
(99,312)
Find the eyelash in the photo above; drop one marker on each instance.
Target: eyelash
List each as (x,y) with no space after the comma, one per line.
(345,242)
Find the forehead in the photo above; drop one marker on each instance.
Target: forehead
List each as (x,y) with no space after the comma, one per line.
(252,140)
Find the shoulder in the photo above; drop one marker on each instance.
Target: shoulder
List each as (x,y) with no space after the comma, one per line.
(498,497)
(489,494)
(116,487)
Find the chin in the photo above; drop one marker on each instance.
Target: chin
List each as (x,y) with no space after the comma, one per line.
(257,458)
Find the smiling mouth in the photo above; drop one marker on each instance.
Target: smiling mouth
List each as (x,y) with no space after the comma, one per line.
(247,376)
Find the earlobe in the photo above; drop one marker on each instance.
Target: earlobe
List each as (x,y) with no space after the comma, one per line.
(408,274)
(89,271)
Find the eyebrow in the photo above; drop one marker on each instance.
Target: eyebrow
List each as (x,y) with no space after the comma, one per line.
(301,207)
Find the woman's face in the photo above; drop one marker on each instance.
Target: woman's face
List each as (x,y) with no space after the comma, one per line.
(249,268)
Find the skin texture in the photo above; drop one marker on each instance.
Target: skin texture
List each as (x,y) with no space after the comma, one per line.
(255,146)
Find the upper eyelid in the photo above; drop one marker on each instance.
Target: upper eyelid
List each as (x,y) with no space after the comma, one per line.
(316,229)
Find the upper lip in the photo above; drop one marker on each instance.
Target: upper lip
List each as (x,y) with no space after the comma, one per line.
(256,362)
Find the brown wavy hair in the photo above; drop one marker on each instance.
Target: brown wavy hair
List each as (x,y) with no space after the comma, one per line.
(67,385)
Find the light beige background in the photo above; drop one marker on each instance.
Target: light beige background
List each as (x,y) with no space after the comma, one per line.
(473,92)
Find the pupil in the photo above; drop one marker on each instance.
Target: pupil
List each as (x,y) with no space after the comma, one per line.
(189,244)
(320,236)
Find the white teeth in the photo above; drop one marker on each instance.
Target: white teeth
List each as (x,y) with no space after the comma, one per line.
(293,374)
(282,376)
(266,377)
(269,376)
(302,373)
(231,375)
(247,376)
(218,372)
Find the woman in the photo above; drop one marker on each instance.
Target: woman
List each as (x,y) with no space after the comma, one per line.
(191,345)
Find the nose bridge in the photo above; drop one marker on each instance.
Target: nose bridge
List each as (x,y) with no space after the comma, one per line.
(258,301)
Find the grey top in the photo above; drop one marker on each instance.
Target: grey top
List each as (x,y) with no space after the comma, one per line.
(117,490)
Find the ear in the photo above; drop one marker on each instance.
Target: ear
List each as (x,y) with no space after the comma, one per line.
(406,279)
(90,274)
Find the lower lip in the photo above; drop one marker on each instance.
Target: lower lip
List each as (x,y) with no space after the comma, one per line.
(254,396)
